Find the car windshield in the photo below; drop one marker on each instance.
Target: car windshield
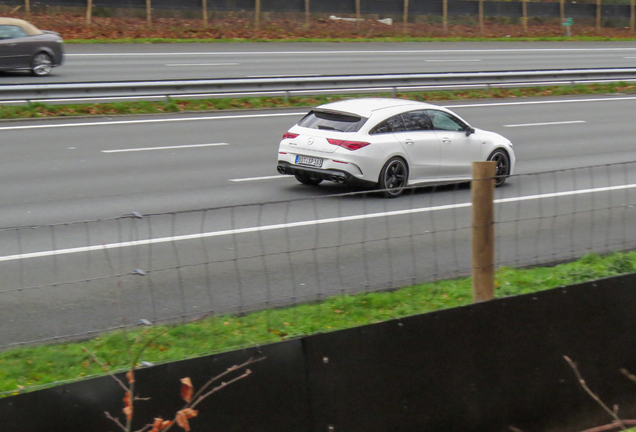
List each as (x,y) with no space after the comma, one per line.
(339,122)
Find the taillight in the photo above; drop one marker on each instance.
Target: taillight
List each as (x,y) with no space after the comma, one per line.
(289,135)
(349,145)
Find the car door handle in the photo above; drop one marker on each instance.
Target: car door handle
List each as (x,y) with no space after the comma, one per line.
(446,140)
(408,142)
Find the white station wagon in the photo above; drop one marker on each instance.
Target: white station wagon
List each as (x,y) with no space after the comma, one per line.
(389,143)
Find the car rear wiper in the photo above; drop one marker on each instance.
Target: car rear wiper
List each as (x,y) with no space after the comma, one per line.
(329,128)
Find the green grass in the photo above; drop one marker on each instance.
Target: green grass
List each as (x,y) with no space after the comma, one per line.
(374,39)
(34,367)
(36,110)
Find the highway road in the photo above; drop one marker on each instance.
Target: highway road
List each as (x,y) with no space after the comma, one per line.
(283,252)
(99,63)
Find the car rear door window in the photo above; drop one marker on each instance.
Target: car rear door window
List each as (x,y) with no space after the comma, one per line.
(417,121)
(390,125)
(341,122)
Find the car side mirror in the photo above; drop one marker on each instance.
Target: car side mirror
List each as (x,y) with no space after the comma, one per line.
(470,131)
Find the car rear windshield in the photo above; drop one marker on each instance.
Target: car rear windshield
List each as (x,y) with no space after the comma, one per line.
(327,120)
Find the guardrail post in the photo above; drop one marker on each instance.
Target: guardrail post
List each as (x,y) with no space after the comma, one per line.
(483,235)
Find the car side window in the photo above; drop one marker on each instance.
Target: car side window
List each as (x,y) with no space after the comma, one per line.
(390,125)
(11,32)
(417,121)
(444,121)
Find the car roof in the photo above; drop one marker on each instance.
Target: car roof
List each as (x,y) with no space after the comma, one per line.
(28,28)
(366,106)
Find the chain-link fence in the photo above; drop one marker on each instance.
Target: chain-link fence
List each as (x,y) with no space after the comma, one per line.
(78,279)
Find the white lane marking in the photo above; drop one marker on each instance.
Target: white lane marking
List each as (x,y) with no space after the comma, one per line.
(451,60)
(268,53)
(164,147)
(630,57)
(282,76)
(313,222)
(545,124)
(158,120)
(201,64)
(258,178)
(244,116)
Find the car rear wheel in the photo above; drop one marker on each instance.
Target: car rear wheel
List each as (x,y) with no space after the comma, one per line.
(41,64)
(307,179)
(503,166)
(393,177)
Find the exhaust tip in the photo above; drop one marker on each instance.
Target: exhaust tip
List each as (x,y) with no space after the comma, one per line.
(334,178)
(341,179)
(281,169)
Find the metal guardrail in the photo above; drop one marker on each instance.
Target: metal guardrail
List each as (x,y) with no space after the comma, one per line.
(75,92)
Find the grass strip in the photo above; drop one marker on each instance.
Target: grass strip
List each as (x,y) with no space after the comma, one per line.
(29,368)
(360,39)
(39,110)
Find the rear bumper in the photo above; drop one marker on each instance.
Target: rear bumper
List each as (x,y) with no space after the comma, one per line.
(336,176)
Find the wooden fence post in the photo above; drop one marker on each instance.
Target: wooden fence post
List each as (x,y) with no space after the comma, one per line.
(307,17)
(205,13)
(257,13)
(406,16)
(358,13)
(481,16)
(149,13)
(562,12)
(89,12)
(27,7)
(524,19)
(482,191)
(632,16)
(598,15)
(445,15)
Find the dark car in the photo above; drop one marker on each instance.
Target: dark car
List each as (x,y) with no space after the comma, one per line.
(25,47)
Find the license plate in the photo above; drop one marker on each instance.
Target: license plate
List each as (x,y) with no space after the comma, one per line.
(304,160)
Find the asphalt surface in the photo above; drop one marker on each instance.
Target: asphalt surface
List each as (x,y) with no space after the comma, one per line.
(100,63)
(261,255)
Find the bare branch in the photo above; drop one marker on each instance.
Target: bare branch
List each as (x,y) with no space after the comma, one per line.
(115,420)
(593,395)
(234,368)
(628,375)
(112,374)
(148,426)
(613,425)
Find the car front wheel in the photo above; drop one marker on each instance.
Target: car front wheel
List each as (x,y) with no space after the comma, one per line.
(393,177)
(41,64)
(503,166)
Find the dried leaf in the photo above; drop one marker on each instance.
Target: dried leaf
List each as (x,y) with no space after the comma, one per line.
(186,389)
(160,424)
(130,376)
(183,416)
(128,409)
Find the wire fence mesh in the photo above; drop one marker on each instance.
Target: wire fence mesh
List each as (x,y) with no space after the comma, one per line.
(76,280)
